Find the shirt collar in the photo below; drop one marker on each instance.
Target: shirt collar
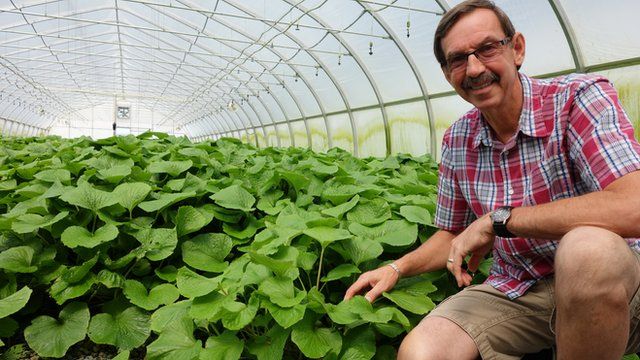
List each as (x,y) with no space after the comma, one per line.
(531,107)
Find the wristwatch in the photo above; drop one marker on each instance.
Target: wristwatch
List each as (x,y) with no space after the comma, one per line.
(500,217)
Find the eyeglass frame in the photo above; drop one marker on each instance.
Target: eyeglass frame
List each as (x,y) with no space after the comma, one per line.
(466,55)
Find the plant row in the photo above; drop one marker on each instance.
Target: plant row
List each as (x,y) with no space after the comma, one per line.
(212,250)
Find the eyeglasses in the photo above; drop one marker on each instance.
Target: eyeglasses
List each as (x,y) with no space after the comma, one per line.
(484,53)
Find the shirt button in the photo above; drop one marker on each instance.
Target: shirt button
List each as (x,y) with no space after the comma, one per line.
(511,191)
(506,153)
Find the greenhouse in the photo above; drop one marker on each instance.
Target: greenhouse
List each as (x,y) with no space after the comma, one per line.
(212,179)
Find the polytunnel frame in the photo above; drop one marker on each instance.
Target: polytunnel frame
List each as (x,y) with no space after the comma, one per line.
(43,91)
(230,73)
(96,22)
(561,16)
(275,75)
(221,70)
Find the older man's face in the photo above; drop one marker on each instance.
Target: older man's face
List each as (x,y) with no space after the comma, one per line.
(487,78)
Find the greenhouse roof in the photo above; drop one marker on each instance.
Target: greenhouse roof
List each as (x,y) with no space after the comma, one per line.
(224,67)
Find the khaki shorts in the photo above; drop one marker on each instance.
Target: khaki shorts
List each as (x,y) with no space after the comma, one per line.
(509,329)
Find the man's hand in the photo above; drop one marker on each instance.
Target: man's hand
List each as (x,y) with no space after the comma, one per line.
(379,280)
(476,240)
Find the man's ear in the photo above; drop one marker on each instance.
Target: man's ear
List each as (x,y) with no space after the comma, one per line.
(518,48)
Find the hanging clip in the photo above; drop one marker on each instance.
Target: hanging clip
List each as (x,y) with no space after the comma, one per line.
(370,47)
(408,27)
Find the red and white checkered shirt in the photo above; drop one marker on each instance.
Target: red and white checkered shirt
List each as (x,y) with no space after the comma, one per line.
(574,138)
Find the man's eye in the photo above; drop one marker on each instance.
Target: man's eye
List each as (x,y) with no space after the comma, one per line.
(487,50)
(456,60)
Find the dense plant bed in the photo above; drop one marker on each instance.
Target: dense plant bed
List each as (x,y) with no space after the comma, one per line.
(154,246)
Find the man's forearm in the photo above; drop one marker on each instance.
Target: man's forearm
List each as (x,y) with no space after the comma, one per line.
(615,208)
(430,256)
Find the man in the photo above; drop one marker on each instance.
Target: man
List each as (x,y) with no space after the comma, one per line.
(542,173)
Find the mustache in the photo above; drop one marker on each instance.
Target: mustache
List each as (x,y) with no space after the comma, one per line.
(480,79)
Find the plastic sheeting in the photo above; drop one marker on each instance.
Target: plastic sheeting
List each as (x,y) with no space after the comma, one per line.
(355,74)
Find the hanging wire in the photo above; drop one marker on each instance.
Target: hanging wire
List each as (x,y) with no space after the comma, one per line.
(409,19)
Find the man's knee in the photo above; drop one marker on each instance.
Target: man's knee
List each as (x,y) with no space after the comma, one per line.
(592,261)
(437,338)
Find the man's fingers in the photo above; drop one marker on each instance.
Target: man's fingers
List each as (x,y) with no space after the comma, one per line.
(474,262)
(374,293)
(355,288)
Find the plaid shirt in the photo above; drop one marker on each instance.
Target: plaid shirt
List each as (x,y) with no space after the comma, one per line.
(574,138)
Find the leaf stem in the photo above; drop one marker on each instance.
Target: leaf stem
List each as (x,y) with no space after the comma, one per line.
(320,267)
(215,329)
(301,283)
(93,227)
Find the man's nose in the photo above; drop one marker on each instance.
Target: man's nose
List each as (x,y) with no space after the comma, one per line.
(475,67)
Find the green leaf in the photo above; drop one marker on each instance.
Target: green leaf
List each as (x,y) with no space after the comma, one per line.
(234,197)
(416,303)
(226,346)
(271,345)
(31,222)
(370,213)
(392,232)
(243,231)
(175,344)
(75,236)
(123,355)
(341,271)
(126,329)
(14,302)
(129,195)
(190,219)
(88,197)
(62,291)
(361,249)
(77,273)
(163,294)
(18,259)
(485,266)
(110,279)
(283,263)
(210,306)
(299,182)
(167,273)
(315,342)
(173,168)
(51,337)
(416,214)
(242,315)
(338,211)
(157,244)
(285,317)
(169,314)
(631,357)
(207,252)
(114,174)
(192,285)
(281,291)
(326,235)
(8,185)
(164,200)
(53,175)
(359,344)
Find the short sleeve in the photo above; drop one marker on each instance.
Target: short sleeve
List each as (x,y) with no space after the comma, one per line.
(452,211)
(601,138)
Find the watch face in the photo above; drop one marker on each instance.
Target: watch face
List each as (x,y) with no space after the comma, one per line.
(500,215)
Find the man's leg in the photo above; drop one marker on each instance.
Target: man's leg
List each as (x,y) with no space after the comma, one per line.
(437,338)
(596,276)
